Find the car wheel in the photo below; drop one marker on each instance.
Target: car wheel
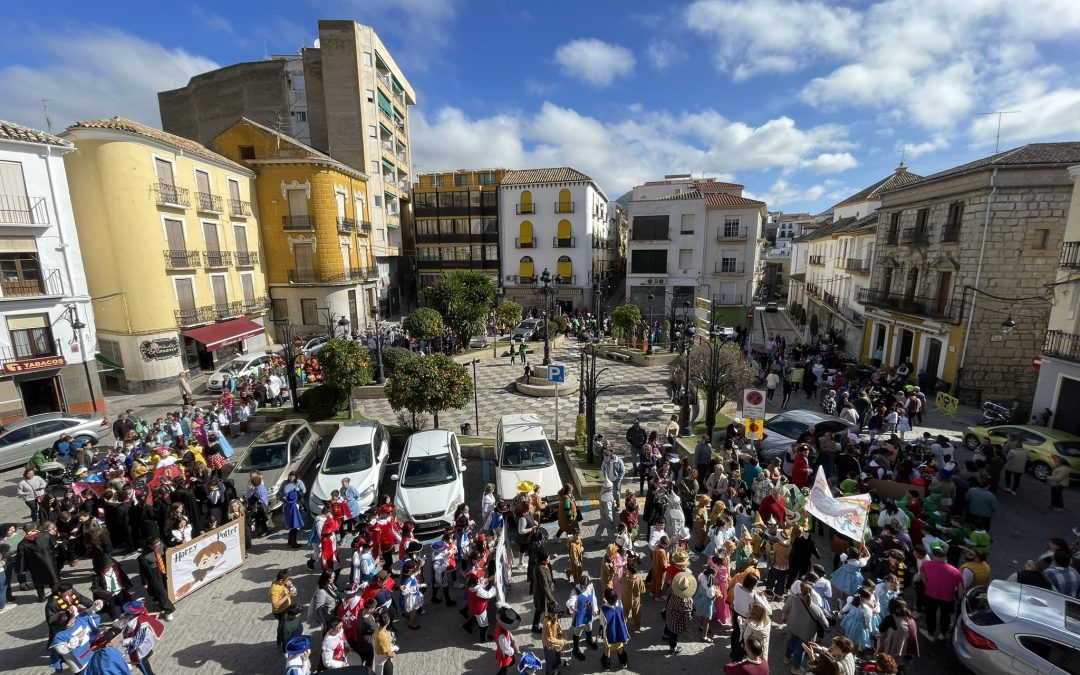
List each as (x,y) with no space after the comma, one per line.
(972,442)
(1041,470)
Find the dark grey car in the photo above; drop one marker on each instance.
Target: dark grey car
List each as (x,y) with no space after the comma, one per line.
(20,439)
(784,429)
(289,445)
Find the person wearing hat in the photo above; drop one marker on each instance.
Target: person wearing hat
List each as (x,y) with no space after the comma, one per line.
(294,516)
(506,647)
(140,633)
(553,640)
(411,598)
(479,591)
(680,609)
(613,625)
(583,608)
(363,562)
(298,656)
(385,533)
(529,664)
(680,561)
(349,612)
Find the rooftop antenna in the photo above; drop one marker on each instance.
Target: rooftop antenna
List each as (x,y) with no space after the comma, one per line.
(266,53)
(999,113)
(45,109)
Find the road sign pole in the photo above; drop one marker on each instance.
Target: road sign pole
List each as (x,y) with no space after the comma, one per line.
(556,412)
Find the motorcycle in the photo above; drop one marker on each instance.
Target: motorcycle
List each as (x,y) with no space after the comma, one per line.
(994,414)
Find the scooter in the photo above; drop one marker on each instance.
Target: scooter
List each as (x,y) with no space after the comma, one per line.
(994,414)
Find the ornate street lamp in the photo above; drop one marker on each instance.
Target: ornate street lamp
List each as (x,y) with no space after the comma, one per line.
(649,327)
(549,288)
(290,361)
(688,344)
(380,378)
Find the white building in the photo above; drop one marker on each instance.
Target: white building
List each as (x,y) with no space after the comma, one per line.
(47,344)
(553,219)
(698,237)
(1059,371)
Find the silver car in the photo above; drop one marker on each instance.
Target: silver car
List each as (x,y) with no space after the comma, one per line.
(22,438)
(1010,628)
(289,445)
(784,429)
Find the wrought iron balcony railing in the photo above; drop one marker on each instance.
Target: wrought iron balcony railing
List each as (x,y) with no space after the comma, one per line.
(857,265)
(915,237)
(23,210)
(936,308)
(247,258)
(298,223)
(1062,345)
(217,258)
(1070,255)
(170,195)
(238,208)
(176,259)
(209,202)
(564,242)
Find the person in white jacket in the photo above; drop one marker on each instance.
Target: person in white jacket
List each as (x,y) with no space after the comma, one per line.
(334,647)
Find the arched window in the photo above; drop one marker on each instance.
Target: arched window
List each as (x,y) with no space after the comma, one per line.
(565,269)
(564,205)
(525,204)
(563,238)
(525,235)
(526,270)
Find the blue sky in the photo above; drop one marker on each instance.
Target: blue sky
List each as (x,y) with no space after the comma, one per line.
(803,102)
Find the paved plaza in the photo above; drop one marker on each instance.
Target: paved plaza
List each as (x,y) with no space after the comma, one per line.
(226,627)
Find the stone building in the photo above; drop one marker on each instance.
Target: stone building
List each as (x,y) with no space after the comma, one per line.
(960,252)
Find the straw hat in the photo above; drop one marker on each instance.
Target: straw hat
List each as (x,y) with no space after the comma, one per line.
(680,559)
(526,486)
(684,585)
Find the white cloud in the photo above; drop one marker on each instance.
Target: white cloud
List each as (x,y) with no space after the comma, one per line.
(640,145)
(422,28)
(913,150)
(664,54)
(1047,115)
(830,162)
(595,62)
(781,194)
(96,72)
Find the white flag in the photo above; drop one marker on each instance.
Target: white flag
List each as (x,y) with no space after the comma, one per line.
(846,515)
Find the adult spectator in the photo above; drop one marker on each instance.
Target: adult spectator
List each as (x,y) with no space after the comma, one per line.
(703,457)
(981,504)
(753,664)
(1015,464)
(804,620)
(800,469)
(1062,576)
(613,469)
(943,585)
(31,490)
(1059,480)
(635,438)
(1031,575)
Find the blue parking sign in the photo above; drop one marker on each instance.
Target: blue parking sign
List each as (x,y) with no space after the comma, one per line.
(556,373)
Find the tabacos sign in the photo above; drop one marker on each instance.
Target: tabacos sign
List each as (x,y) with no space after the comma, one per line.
(13,367)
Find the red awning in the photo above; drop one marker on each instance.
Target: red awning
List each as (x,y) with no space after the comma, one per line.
(218,335)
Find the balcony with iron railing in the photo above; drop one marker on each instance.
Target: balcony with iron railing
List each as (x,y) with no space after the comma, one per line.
(208,202)
(812,289)
(522,209)
(564,207)
(23,210)
(51,283)
(170,195)
(914,236)
(346,225)
(194,316)
(313,276)
(255,305)
(526,281)
(857,265)
(730,233)
(365,227)
(247,258)
(892,237)
(729,267)
(950,233)
(525,243)
(564,242)
(295,223)
(817,260)
(179,259)
(217,258)
(1062,345)
(729,299)
(238,208)
(364,273)
(831,300)
(935,308)
(1070,255)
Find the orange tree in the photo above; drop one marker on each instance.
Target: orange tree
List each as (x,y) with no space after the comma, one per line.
(429,384)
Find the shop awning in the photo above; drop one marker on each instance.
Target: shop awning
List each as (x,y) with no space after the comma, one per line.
(218,335)
(106,364)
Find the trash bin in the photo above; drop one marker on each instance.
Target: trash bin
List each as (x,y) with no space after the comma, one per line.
(466,429)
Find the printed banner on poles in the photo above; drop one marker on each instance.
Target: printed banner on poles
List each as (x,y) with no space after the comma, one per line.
(846,515)
(209,556)
(502,564)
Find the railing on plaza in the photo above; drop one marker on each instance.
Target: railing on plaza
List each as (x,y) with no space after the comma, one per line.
(1062,345)
(1070,255)
(176,259)
(247,258)
(23,210)
(217,258)
(909,304)
(170,195)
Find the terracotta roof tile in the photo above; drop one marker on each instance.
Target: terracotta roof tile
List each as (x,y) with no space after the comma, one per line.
(1032,154)
(563,174)
(896,179)
(133,127)
(707,185)
(689,194)
(17,132)
(715,200)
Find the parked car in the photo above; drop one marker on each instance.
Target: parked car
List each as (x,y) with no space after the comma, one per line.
(314,344)
(430,485)
(1007,628)
(1042,445)
(20,439)
(726,332)
(358,451)
(771,307)
(242,365)
(529,329)
(289,445)
(522,452)
(784,429)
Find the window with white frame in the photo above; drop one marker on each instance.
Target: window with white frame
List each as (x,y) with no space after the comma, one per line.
(732,225)
(686,223)
(686,258)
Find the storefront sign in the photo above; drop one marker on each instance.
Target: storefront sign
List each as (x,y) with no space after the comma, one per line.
(13,367)
(160,349)
(209,556)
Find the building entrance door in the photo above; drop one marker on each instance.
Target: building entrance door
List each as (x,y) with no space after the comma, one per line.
(907,339)
(1070,391)
(42,396)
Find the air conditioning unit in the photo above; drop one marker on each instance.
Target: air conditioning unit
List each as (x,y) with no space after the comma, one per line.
(661,282)
(649,282)
(511,278)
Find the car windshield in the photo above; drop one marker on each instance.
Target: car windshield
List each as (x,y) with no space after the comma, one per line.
(348,459)
(428,471)
(264,457)
(786,427)
(532,454)
(1068,448)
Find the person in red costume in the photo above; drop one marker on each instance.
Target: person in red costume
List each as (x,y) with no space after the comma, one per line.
(773,506)
(800,470)
(328,558)
(385,532)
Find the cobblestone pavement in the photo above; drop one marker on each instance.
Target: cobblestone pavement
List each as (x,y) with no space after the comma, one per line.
(226,627)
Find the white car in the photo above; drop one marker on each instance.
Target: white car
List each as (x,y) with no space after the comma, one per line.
(522,453)
(430,486)
(238,367)
(358,451)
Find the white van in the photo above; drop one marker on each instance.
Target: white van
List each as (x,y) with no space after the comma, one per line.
(522,452)
(430,486)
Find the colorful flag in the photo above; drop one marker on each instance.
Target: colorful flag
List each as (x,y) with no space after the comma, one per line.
(846,515)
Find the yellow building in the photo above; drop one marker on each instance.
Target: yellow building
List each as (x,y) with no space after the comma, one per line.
(171,250)
(315,229)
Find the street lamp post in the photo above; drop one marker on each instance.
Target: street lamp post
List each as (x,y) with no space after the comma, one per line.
(688,344)
(649,327)
(476,404)
(343,324)
(290,361)
(380,378)
(77,327)
(549,289)
(599,294)
(590,384)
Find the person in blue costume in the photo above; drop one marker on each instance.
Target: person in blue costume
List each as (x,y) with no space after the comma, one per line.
(294,516)
(613,622)
(583,607)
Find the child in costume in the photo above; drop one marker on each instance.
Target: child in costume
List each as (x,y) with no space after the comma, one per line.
(631,590)
(412,599)
(575,551)
(298,656)
(363,562)
(553,641)
(480,593)
(858,618)
(141,631)
(506,647)
(613,624)
(659,566)
(442,562)
(583,608)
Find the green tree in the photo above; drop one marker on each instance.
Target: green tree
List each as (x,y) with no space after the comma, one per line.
(345,364)
(719,368)
(392,356)
(507,315)
(424,324)
(463,298)
(429,384)
(626,318)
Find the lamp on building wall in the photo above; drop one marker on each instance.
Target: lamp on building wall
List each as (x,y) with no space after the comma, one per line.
(1008,325)
(71,315)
